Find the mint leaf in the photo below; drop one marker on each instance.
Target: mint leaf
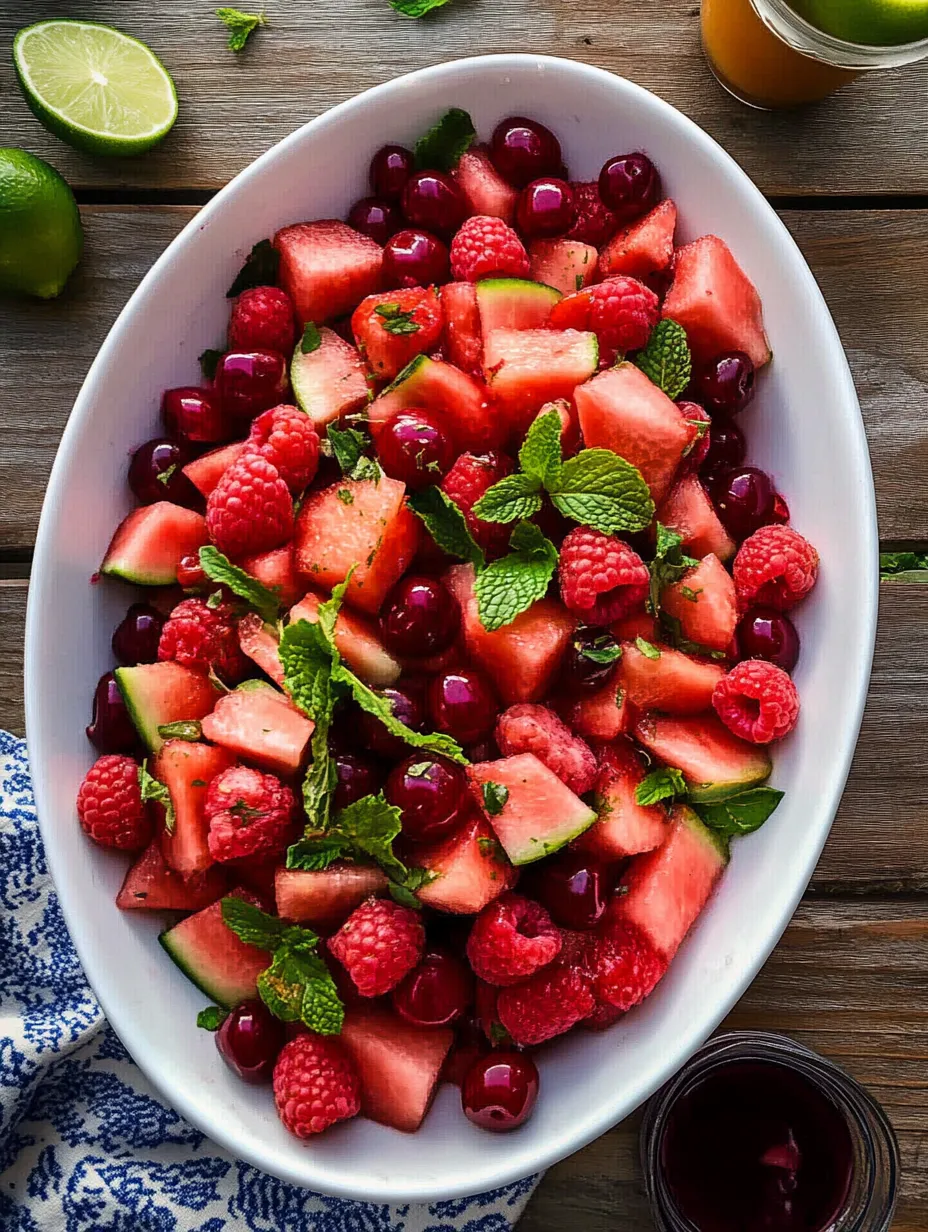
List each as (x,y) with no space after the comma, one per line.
(649,650)
(510,500)
(381,708)
(298,987)
(397,321)
(604,649)
(348,446)
(315,852)
(740,814)
(663,784)
(540,455)
(904,566)
(415,8)
(252,925)
(666,360)
(212,1018)
(495,796)
(185,729)
(209,362)
(154,790)
(598,488)
(370,825)
(442,146)
(306,654)
(511,585)
(668,566)
(311,340)
(219,569)
(445,523)
(241,26)
(260,270)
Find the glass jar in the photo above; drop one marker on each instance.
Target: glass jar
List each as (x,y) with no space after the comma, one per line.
(767,55)
(870,1198)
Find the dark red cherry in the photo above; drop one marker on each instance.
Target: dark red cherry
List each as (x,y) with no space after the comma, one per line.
(726,386)
(629,185)
(437,992)
(545,208)
(391,167)
(376,218)
(356,777)
(499,1090)
(156,474)
(194,415)
(726,450)
(110,730)
(419,617)
(763,633)
(589,659)
(574,889)
(414,258)
(249,382)
(523,150)
(373,736)
(433,201)
(415,447)
(463,705)
(430,792)
(484,750)
(249,1040)
(136,637)
(744,500)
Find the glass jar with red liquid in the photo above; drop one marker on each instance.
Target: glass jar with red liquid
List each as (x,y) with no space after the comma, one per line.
(759,1134)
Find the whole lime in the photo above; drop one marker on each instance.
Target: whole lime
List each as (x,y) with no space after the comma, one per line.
(40,226)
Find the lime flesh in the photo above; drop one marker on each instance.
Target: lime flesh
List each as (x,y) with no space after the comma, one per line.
(40,227)
(876,23)
(94,87)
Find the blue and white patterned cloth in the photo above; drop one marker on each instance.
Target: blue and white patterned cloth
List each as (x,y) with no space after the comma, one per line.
(85,1143)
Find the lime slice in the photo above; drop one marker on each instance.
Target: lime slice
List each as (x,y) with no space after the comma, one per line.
(878,23)
(94,87)
(40,227)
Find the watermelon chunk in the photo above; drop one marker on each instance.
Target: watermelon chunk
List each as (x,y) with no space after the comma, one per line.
(667,888)
(716,303)
(327,268)
(257,722)
(150,542)
(602,715)
(567,265)
(486,191)
(356,640)
(715,763)
(674,682)
(206,471)
(159,693)
(186,768)
(399,1065)
(387,349)
(689,511)
(638,624)
(521,657)
(539,815)
(259,642)
(525,368)
(325,899)
(329,382)
(432,385)
(645,248)
(621,410)
(213,958)
(513,303)
(361,523)
(151,885)
(623,827)
(463,338)
(276,570)
(471,870)
(705,603)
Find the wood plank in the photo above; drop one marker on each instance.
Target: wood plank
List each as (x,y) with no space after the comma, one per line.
(46,348)
(849,981)
(308,59)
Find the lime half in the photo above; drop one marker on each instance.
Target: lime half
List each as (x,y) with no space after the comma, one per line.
(880,23)
(40,227)
(94,87)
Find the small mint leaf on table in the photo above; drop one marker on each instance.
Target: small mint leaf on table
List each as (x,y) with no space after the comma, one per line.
(598,488)
(252,925)
(211,1018)
(154,790)
(666,360)
(441,147)
(241,26)
(648,649)
(184,729)
(739,814)
(260,270)
(311,340)
(495,796)
(540,455)
(219,569)
(663,784)
(446,524)
(415,8)
(209,362)
(509,586)
(512,499)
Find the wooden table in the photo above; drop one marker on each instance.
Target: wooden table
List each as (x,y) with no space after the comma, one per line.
(850,179)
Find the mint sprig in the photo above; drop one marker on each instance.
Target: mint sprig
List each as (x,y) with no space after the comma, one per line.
(415,8)
(446,524)
(260,269)
(441,147)
(219,569)
(211,1018)
(666,360)
(183,729)
(509,586)
(663,784)
(154,790)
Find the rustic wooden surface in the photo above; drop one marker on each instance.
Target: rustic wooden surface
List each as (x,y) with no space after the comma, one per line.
(850,178)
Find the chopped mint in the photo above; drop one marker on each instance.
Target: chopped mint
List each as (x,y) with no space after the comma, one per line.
(649,650)
(219,569)
(154,790)
(688,593)
(666,360)
(442,146)
(509,586)
(668,566)
(578,282)
(663,784)
(740,814)
(212,1018)
(419,769)
(166,475)
(345,496)
(311,340)
(260,270)
(604,649)
(495,796)
(214,600)
(397,321)
(241,26)
(348,446)
(445,523)
(185,729)
(209,362)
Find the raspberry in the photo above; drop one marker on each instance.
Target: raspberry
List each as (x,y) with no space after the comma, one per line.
(249,814)
(487,248)
(466,482)
(204,639)
(110,806)
(262,320)
(602,578)
(594,223)
(548,1004)
(528,728)
(286,437)
(378,944)
(315,1085)
(757,701)
(623,966)
(776,567)
(511,939)
(250,510)
(602,1017)
(623,311)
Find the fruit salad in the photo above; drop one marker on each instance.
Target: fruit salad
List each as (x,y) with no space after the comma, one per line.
(463,634)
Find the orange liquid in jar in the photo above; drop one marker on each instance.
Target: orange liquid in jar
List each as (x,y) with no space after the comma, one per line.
(755,65)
